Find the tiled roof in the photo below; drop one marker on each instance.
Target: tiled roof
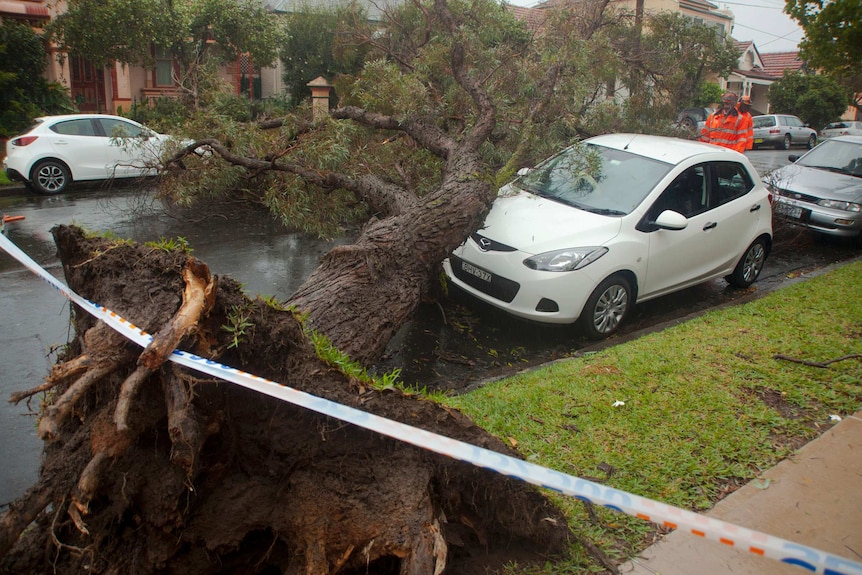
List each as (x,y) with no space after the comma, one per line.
(533,17)
(776,63)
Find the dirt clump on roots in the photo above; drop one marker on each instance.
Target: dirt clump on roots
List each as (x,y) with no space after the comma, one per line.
(150,467)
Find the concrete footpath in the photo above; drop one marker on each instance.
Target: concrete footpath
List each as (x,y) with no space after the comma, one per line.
(813,498)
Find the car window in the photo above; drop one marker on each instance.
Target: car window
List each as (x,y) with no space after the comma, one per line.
(595,179)
(835,156)
(835,126)
(83,127)
(114,128)
(732,181)
(764,121)
(687,194)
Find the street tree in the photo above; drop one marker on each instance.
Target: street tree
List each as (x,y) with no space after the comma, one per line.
(678,56)
(196,34)
(833,39)
(24,92)
(160,470)
(817,100)
(311,48)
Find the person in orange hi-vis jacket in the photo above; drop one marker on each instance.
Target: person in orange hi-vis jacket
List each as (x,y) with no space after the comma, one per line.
(725,127)
(743,109)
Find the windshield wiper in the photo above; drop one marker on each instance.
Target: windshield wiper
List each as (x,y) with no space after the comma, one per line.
(830,169)
(603,211)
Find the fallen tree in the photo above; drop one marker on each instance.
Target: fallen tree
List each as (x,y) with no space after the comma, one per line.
(151,468)
(207,477)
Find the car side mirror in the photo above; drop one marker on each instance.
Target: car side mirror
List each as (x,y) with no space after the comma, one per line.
(793,157)
(671,220)
(524,171)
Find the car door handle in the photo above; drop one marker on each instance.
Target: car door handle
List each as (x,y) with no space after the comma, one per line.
(710,225)
(754,208)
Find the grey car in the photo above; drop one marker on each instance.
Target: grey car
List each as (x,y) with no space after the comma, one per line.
(822,190)
(782,131)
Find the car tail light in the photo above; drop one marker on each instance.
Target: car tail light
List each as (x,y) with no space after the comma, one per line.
(771,198)
(24,141)
(774,131)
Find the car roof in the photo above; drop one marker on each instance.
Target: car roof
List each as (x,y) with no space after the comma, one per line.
(661,148)
(78,117)
(848,139)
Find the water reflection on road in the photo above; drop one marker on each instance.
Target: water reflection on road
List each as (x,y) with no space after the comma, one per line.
(247,245)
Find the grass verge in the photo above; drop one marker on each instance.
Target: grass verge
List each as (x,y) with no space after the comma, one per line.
(686,415)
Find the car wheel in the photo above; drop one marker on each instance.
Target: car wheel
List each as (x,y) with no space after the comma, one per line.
(750,265)
(606,307)
(812,141)
(50,177)
(785,143)
(689,124)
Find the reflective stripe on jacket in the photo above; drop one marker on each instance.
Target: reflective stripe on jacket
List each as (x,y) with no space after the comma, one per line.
(725,130)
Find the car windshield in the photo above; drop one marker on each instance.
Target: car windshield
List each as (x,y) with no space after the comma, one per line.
(595,178)
(835,156)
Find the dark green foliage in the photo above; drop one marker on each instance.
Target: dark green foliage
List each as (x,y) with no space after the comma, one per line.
(833,38)
(317,44)
(24,92)
(817,100)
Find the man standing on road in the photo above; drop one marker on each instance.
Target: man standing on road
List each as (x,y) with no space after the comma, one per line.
(747,121)
(725,127)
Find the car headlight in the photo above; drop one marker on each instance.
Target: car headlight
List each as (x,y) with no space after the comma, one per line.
(839,205)
(565,260)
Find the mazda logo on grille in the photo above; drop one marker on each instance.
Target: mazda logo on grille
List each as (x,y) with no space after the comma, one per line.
(484,244)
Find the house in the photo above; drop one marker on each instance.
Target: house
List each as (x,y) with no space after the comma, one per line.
(756,72)
(117,86)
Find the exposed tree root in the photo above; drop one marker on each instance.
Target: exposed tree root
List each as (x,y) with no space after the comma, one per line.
(198,299)
(212,478)
(60,373)
(60,410)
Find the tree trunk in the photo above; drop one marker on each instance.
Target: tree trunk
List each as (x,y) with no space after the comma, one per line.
(363,293)
(209,477)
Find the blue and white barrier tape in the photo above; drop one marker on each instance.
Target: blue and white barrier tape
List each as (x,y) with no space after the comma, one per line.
(809,558)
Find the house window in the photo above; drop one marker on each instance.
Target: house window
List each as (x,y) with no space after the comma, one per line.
(164,67)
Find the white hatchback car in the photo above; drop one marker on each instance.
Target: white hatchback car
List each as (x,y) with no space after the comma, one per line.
(57,150)
(614,220)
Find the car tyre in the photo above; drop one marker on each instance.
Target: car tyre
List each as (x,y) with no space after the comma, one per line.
(607,307)
(812,141)
(785,143)
(750,265)
(50,177)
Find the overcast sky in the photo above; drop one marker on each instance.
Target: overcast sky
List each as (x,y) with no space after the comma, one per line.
(762,21)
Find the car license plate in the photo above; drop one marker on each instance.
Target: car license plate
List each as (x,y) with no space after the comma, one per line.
(788,211)
(758,140)
(473,270)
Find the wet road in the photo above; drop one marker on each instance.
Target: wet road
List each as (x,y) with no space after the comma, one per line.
(450,346)
(248,246)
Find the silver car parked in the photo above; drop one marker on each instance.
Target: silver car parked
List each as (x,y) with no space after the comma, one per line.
(822,190)
(782,131)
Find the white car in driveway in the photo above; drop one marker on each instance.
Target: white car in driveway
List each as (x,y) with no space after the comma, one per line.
(57,150)
(614,220)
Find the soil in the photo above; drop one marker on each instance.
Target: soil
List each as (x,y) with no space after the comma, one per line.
(208,477)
